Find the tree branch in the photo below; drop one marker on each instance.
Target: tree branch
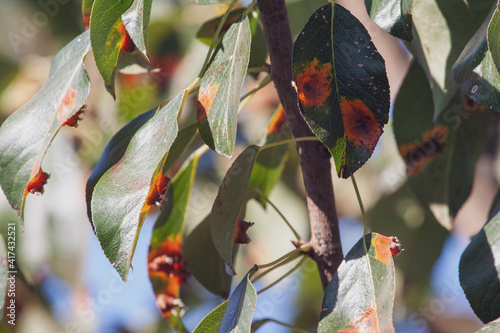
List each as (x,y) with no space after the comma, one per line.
(314,157)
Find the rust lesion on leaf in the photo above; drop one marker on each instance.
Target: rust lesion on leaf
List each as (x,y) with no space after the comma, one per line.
(313,84)
(206,97)
(365,322)
(278,122)
(240,232)
(360,125)
(157,190)
(418,155)
(385,248)
(168,271)
(127,44)
(36,184)
(74,119)
(67,104)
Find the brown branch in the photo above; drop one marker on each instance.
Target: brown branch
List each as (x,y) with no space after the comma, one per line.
(314,157)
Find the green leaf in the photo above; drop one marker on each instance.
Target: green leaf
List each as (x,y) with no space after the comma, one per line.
(475,70)
(204,262)
(494,37)
(228,204)
(86,10)
(442,29)
(492,327)
(207,30)
(166,267)
(479,271)
(360,295)
(125,192)
(182,141)
(241,306)
(4,269)
(26,135)
(220,89)
(107,33)
(394,16)
(270,162)
(136,21)
(211,322)
(342,86)
(440,155)
(208,2)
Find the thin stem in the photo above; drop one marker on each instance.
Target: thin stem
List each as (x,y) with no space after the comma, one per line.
(259,192)
(216,37)
(284,262)
(296,329)
(287,141)
(362,208)
(284,275)
(265,81)
(258,69)
(304,248)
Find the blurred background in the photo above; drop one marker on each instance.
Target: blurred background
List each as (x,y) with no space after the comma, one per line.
(68,285)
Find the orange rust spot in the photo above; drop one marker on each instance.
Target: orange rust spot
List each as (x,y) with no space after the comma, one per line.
(205,99)
(418,156)
(366,322)
(74,119)
(36,184)
(67,104)
(167,265)
(86,22)
(278,122)
(240,232)
(127,44)
(385,248)
(157,190)
(313,84)
(360,125)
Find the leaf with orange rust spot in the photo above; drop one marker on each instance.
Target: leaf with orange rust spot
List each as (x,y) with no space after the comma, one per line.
(228,204)
(125,184)
(75,119)
(342,86)
(37,183)
(360,296)
(440,154)
(107,34)
(86,10)
(26,135)
(270,162)
(136,21)
(220,88)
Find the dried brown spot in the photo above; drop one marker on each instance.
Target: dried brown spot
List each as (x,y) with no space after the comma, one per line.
(240,233)
(366,322)
(36,184)
(360,125)
(313,84)
(278,122)
(74,119)
(385,248)
(157,190)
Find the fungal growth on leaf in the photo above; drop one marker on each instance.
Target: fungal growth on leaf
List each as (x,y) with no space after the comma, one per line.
(206,97)
(74,119)
(360,125)
(385,248)
(158,190)
(313,84)
(36,184)
(240,232)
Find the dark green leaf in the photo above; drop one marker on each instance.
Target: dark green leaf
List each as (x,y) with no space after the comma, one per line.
(136,21)
(4,269)
(270,162)
(113,153)
(125,192)
(342,86)
(204,262)
(241,306)
(494,37)
(211,322)
(220,89)
(207,30)
(442,29)
(228,204)
(27,134)
(107,34)
(394,16)
(166,266)
(360,295)
(479,271)
(492,327)
(475,70)
(441,154)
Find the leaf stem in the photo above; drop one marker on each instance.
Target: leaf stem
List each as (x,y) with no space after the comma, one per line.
(284,262)
(279,143)
(299,264)
(362,208)
(246,98)
(296,234)
(215,38)
(304,248)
